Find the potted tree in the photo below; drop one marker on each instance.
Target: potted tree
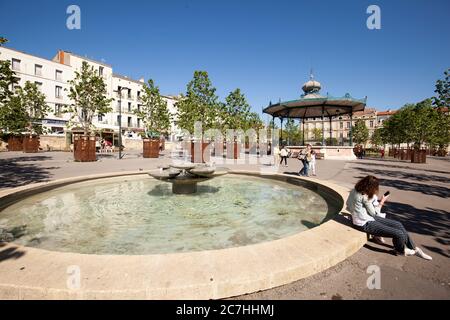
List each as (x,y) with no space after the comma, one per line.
(236,110)
(36,109)
(88,94)
(156,118)
(198,105)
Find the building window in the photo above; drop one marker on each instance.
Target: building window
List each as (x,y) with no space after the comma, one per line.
(118,120)
(129,93)
(139,95)
(139,123)
(348,125)
(341,125)
(129,106)
(100,118)
(100,71)
(38,85)
(371,123)
(37,70)
(58,92)
(129,122)
(58,109)
(58,75)
(16,64)
(139,108)
(118,105)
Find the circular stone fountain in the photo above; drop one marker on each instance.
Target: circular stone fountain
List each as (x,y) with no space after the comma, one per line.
(185,176)
(133,238)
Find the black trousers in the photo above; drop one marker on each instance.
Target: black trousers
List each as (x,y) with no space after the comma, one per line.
(285,160)
(388,228)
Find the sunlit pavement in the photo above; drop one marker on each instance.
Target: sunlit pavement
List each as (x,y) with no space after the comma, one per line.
(419,199)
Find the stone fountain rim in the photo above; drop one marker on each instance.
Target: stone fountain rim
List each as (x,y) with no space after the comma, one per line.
(213,274)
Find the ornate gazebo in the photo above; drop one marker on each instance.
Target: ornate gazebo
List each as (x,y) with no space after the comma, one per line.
(314,105)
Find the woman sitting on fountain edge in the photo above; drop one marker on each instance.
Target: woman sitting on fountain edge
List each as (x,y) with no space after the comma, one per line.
(365,218)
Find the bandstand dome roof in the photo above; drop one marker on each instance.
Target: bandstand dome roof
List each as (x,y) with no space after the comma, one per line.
(312,104)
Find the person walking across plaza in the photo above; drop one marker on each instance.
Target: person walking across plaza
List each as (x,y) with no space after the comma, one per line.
(284,155)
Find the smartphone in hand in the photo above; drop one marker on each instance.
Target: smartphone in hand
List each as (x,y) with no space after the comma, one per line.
(387,193)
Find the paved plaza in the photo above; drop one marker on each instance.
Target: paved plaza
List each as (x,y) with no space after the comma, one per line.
(419,199)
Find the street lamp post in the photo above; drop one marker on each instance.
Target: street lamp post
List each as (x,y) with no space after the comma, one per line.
(119,91)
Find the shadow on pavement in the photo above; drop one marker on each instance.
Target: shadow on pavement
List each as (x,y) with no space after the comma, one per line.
(18,171)
(438,191)
(391,166)
(9,253)
(430,222)
(404,175)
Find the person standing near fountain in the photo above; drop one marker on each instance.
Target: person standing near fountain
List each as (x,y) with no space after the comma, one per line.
(365,218)
(284,155)
(305,157)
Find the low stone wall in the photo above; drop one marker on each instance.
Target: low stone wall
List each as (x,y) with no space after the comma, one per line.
(133,144)
(54,143)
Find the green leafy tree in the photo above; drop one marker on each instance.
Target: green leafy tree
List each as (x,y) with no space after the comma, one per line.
(13,116)
(317,134)
(442,98)
(421,121)
(331,141)
(377,138)
(199,104)
(292,134)
(153,111)
(360,132)
(88,94)
(235,111)
(36,109)
(8,80)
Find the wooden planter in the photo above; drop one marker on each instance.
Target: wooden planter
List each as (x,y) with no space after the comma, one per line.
(31,144)
(233,150)
(84,148)
(419,156)
(200,152)
(151,148)
(15,143)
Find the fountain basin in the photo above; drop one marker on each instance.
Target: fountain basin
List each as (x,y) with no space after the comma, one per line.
(39,273)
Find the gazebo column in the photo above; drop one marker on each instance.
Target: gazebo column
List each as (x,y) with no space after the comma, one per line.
(303,127)
(351,129)
(280,142)
(323,126)
(331,131)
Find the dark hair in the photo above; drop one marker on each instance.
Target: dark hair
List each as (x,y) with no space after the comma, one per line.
(368,186)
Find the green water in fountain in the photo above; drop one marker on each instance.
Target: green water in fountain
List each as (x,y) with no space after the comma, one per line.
(140,215)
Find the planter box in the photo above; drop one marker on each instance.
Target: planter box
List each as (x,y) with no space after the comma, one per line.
(200,152)
(419,156)
(31,144)
(151,148)
(84,148)
(15,143)
(233,150)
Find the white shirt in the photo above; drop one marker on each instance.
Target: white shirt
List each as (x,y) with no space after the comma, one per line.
(361,208)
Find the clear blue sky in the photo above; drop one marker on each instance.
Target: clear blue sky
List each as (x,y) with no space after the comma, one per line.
(266,48)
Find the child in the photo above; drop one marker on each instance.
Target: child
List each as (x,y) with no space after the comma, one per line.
(312,163)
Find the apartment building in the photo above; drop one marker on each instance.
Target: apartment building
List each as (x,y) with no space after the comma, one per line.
(340,126)
(52,76)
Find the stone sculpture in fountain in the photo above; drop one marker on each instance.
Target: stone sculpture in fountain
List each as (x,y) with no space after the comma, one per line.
(185,176)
